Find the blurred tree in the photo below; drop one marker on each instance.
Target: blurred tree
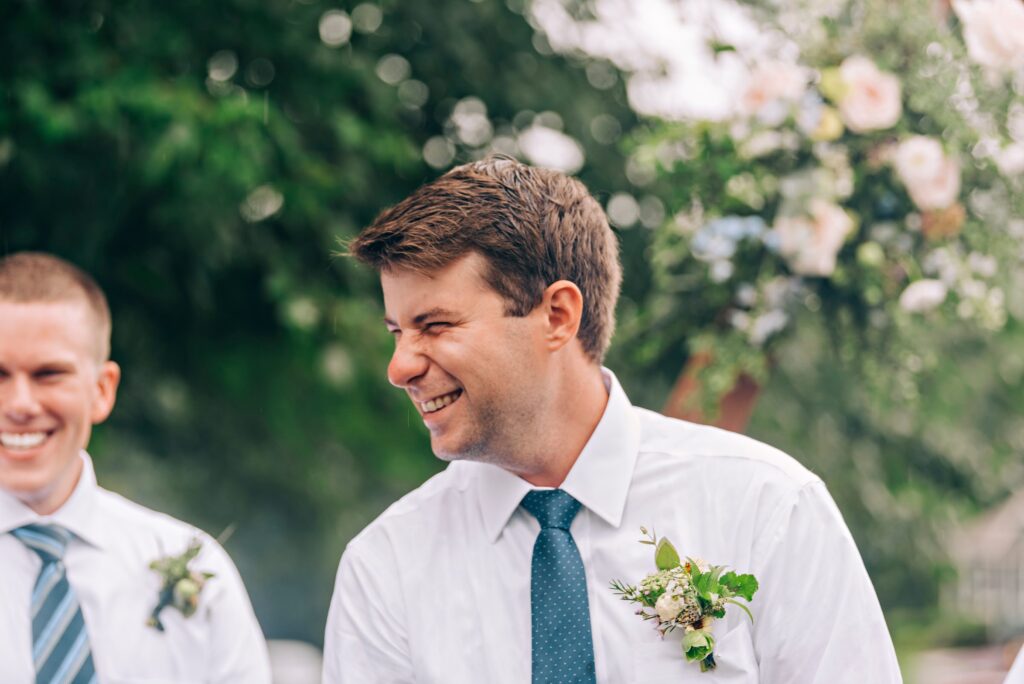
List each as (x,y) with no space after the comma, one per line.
(202,160)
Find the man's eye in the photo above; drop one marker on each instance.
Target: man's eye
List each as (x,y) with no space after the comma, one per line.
(437,325)
(50,373)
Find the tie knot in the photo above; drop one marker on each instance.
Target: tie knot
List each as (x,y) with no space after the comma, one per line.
(551,508)
(49,541)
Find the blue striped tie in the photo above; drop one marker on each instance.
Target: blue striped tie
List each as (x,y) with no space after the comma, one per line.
(60,644)
(563,649)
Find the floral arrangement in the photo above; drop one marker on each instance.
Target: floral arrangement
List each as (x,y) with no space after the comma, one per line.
(872,172)
(687,595)
(181,586)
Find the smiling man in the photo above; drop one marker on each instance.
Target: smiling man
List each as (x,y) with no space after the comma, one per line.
(500,283)
(76,589)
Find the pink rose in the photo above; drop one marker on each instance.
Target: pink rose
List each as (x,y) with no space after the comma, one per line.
(811,243)
(772,87)
(932,179)
(993,31)
(870,99)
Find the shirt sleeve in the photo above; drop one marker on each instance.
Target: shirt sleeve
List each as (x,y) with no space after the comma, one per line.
(365,641)
(237,649)
(817,616)
(1016,673)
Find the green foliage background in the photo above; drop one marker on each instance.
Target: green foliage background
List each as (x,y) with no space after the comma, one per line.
(254,389)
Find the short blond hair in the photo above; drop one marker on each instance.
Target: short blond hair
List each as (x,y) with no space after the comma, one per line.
(29,277)
(533,226)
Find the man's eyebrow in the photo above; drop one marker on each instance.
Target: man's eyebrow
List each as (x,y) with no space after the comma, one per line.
(436,312)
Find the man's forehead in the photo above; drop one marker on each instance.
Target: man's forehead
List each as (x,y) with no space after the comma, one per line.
(58,326)
(449,290)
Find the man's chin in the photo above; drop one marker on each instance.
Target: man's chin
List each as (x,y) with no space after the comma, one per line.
(40,488)
(448,450)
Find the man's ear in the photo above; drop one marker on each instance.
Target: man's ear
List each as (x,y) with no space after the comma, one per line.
(563,307)
(107,380)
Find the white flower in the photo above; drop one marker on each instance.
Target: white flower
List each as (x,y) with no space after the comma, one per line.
(993,31)
(923,295)
(669,606)
(1010,159)
(871,97)
(763,327)
(772,87)
(552,149)
(932,178)
(811,243)
(917,158)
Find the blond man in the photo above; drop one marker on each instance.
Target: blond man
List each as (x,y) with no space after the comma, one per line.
(78,598)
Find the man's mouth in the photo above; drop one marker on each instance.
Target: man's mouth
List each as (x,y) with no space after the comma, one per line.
(23,441)
(438,403)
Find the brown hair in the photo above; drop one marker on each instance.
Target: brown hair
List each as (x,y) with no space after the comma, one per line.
(29,277)
(533,226)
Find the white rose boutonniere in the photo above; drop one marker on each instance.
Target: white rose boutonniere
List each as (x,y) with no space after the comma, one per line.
(181,585)
(688,596)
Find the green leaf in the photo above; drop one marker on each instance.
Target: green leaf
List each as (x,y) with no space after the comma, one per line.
(745,609)
(740,585)
(665,555)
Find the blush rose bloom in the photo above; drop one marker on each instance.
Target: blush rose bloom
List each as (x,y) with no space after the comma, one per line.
(871,98)
(771,88)
(931,177)
(811,243)
(923,295)
(993,31)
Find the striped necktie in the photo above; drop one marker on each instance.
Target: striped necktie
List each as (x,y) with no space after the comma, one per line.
(60,644)
(562,645)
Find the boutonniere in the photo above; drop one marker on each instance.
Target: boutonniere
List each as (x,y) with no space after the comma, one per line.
(181,585)
(687,595)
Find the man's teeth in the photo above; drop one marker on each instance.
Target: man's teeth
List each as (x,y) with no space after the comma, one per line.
(440,402)
(22,440)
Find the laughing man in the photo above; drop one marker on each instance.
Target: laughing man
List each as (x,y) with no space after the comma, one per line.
(500,283)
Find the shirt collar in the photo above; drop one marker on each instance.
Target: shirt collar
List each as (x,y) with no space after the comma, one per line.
(77,515)
(599,479)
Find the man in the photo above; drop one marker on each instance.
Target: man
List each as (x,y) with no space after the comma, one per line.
(76,589)
(500,283)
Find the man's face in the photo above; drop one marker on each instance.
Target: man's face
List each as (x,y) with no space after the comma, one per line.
(53,388)
(474,374)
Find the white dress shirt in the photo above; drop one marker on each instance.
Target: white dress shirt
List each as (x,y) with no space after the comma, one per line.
(1016,673)
(107,565)
(437,589)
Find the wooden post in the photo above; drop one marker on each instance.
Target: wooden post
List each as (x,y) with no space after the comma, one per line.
(734,410)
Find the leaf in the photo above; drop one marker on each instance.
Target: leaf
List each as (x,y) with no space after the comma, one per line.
(740,585)
(665,555)
(745,609)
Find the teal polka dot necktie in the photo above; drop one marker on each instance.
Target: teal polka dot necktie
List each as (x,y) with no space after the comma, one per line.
(563,648)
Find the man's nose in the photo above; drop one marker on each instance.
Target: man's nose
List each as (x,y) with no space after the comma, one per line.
(17,399)
(408,362)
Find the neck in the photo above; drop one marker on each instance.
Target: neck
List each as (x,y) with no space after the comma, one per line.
(577,410)
(56,495)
